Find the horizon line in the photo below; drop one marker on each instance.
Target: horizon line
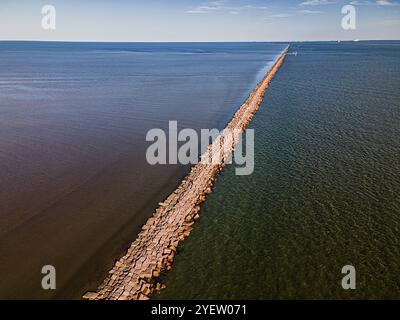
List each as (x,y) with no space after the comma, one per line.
(211,41)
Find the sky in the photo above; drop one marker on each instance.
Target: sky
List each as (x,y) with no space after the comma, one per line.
(189,20)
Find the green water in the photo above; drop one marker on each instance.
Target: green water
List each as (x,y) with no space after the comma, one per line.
(324,193)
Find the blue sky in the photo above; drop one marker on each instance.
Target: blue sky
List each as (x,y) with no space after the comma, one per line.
(189,20)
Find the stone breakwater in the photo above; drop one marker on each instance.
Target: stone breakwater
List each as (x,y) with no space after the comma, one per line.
(136,275)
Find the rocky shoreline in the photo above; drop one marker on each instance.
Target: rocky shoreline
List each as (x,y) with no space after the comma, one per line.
(136,275)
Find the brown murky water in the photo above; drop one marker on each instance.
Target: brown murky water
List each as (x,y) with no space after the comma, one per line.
(75,186)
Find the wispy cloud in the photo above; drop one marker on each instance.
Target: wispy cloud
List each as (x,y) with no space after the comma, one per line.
(281,15)
(249,6)
(222,5)
(386,3)
(310,11)
(316,2)
(207,8)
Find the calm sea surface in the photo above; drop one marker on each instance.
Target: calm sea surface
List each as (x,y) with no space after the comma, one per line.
(74,183)
(325,192)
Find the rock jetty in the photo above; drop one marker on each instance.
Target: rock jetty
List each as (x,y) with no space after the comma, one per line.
(136,275)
